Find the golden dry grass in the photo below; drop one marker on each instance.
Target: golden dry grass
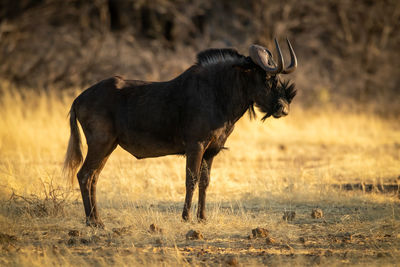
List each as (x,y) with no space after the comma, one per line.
(285,164)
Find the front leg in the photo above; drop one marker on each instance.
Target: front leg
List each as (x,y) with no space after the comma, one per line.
(194,155)
(205,171)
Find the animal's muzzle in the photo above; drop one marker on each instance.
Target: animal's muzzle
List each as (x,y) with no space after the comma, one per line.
(281,109)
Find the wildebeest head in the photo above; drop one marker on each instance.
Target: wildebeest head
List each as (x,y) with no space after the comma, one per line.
(273,95)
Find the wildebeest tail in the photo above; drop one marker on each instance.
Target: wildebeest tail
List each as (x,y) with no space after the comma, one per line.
(73,157)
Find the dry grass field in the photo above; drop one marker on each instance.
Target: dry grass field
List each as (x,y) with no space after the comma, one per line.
(289,164)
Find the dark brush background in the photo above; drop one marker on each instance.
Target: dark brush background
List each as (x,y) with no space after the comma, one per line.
(348,51)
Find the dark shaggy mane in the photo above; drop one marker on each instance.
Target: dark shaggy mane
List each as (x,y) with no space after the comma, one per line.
(290,90)
(214,56)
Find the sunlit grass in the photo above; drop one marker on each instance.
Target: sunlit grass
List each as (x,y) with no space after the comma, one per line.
(285,164)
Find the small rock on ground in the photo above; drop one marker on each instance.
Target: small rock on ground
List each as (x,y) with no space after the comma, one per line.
(270,241)
(155,229)
(259,232)
(194,235)
(317,214)
(232,261)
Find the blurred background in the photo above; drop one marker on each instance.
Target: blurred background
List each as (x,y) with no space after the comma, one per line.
(348,51)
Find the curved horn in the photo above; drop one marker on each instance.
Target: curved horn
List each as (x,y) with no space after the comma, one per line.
(293,60)
(261,56)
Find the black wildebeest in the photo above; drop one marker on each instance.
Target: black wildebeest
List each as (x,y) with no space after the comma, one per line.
(191,115)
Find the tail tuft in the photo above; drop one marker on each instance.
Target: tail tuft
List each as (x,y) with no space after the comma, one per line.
(73,157)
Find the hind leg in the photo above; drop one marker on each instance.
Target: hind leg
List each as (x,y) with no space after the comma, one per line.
(93,191)
(88,175)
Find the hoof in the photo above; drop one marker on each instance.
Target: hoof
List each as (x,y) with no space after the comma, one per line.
(201,216)
(185,217)
(95,223)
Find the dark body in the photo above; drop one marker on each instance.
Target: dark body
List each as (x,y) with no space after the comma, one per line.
(191,115)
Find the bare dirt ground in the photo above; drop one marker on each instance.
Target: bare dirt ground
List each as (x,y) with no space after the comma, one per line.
(355,231)
(287,165)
